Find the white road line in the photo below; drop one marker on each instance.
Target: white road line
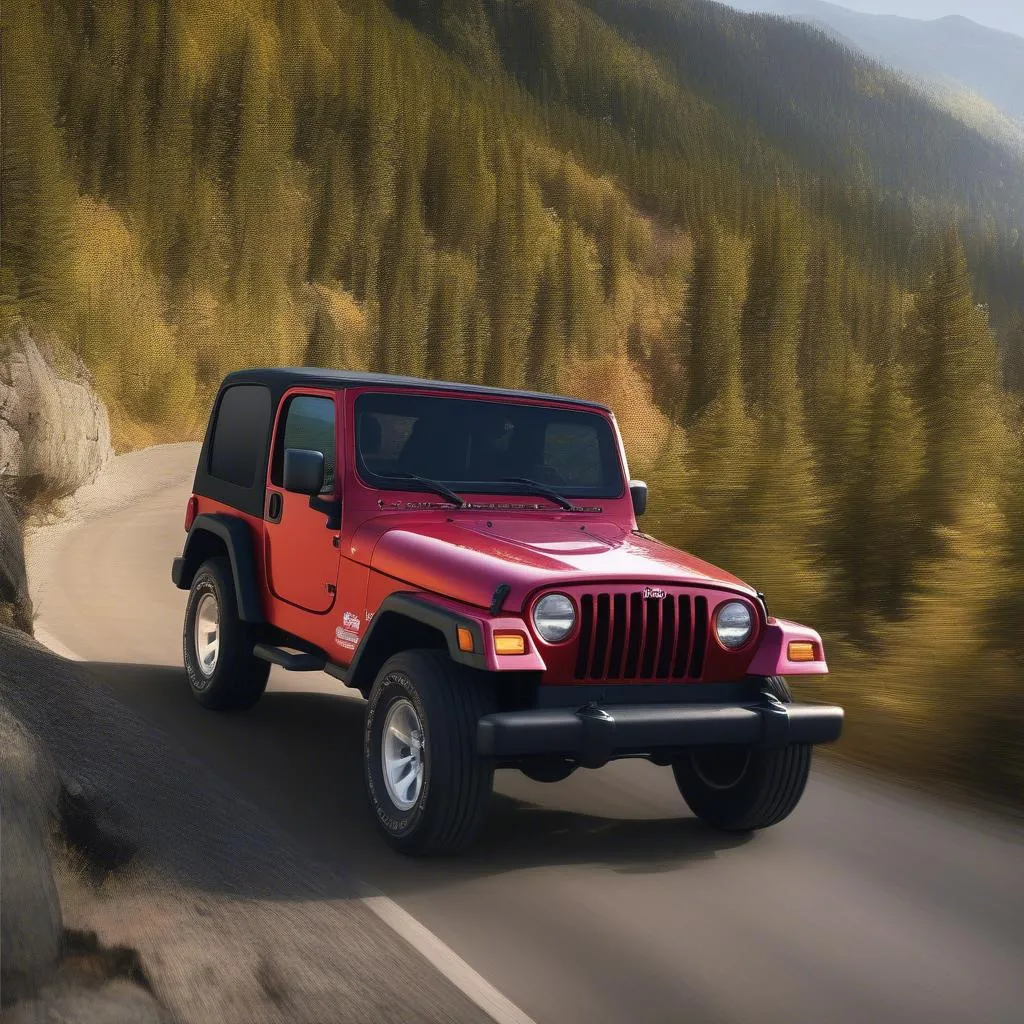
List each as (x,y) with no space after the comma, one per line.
(437,953)
(444,959)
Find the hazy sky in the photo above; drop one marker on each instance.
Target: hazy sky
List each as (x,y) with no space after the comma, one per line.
(1007,15)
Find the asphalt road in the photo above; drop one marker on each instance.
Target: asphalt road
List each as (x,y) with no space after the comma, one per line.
(599,899)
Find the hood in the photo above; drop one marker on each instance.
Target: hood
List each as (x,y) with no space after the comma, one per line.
(466,559)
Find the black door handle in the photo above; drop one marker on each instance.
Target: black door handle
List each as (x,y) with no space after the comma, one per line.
(275,506)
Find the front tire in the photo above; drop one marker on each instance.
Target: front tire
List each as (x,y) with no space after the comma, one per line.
(223,673)
(426,784)
(739,789)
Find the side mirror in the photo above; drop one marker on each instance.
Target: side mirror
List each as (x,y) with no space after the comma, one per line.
(638,492)
(303,471)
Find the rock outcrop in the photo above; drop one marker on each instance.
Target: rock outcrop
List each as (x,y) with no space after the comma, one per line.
(15,604)
(49,973)
(54,430)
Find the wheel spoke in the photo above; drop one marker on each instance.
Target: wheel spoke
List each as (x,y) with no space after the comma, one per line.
(402,754)
(411,782)
(207,634)
(400,769)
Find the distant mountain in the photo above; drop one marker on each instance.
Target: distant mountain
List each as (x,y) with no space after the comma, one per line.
(947,51)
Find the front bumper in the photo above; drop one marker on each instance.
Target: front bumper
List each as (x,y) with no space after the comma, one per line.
(592,735)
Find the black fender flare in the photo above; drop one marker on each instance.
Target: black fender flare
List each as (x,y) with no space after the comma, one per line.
(235,535)
(370,653)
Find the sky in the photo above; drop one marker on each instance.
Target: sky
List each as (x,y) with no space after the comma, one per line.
(1007,15)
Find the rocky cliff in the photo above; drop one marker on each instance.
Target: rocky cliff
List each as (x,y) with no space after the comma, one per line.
(54,437)
(54,430)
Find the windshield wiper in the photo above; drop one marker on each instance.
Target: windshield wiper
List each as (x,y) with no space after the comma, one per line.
(427,484)
(539,488)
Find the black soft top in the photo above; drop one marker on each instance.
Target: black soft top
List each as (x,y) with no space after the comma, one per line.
(280,379)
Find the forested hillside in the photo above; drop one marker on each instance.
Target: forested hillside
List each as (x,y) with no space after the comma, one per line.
(769,255)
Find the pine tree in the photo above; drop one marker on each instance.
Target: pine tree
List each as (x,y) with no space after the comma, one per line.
(331,234)
(955,386)
(825,347)
(402,282)
(547,338)
(506,272)
(712,319)
(614,243)
(887,533)
(783,508)
(1013,355)
(322,345)
(446,329)
(478,341)
(772,315)
(580,291)
(35,194)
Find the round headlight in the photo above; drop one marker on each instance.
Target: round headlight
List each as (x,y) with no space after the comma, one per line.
(554,616)
(734,624)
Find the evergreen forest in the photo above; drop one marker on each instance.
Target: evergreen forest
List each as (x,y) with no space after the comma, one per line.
(798,282)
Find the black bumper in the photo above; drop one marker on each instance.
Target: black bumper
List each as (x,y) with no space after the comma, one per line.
(594,735)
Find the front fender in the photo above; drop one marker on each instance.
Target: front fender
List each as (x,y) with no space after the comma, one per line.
(393,627)
(772,657)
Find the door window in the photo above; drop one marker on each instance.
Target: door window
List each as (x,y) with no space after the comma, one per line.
(308,424)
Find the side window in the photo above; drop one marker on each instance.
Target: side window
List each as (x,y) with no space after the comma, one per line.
(309,424)
(239,434)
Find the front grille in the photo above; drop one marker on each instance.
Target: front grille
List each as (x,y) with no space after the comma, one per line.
(630,636)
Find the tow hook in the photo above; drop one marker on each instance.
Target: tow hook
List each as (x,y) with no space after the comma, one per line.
(774,721)
(598,735)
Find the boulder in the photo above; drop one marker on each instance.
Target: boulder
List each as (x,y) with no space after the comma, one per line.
(54,430)
(116,1002)
(31,929)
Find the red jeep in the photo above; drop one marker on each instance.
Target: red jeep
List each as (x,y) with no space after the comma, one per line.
(468,559)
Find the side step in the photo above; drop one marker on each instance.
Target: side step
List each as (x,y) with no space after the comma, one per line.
(294,661)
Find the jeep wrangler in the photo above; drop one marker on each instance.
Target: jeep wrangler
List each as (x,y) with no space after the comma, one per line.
(468,559)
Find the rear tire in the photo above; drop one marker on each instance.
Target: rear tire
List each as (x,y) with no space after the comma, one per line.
(426,784)
(223,673)
(739,789)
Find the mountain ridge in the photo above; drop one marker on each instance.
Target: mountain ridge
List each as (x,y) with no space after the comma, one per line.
(984,60)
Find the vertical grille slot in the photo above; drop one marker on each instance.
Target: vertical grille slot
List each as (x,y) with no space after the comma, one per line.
(586,634)
(629,636)
(683,641)
(653,625)
(668,635)
(700,636)
(619,619)
(636,629)
(602,635)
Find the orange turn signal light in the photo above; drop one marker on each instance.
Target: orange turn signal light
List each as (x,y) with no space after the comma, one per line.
(509,643)
(465,638)
(802,650)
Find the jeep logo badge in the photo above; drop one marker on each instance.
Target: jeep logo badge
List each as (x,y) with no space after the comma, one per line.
(656,592)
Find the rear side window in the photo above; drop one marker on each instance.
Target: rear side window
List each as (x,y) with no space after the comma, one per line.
(308,424)
(239,434)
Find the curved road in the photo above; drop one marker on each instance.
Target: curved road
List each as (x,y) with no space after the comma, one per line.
(599,899)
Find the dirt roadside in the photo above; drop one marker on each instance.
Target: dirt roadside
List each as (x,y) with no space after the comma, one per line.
(189,891)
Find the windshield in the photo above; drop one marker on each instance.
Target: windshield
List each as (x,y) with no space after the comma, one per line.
(485,446)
